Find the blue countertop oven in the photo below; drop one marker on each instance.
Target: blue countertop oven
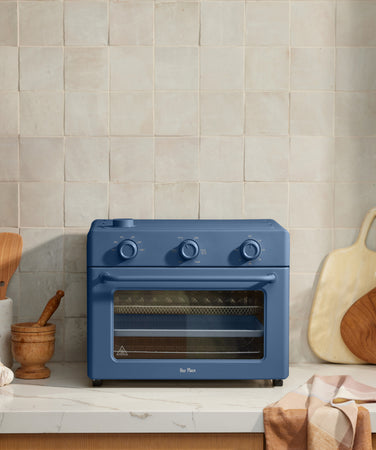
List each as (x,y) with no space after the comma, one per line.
(187,299)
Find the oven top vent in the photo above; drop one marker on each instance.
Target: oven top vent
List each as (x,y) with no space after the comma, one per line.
(188,225)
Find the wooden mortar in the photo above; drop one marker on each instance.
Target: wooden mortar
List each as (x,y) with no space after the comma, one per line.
(32,347)
(33,344)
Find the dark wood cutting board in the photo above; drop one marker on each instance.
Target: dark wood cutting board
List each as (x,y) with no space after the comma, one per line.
(358,327)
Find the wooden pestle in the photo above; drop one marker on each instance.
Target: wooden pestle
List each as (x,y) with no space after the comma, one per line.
(49,309)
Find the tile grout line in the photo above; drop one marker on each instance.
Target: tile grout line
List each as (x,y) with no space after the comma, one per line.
(65,175)
(188,91)
(334,129)
(109,141)
(18,120)
(199,143)
(64,117)
(289,123)
(244,104)
(266,46)
(154,193)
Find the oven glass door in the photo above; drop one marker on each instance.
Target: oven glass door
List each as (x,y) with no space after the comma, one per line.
(191,324)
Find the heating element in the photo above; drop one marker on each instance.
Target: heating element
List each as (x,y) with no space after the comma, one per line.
(187,299)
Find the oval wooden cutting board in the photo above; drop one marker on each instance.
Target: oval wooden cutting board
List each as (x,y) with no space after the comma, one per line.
(347,274)
(358,327)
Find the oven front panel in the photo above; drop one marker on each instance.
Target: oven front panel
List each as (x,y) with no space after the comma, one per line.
(159,323)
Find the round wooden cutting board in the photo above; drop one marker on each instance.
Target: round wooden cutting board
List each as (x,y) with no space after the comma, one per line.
(358,327)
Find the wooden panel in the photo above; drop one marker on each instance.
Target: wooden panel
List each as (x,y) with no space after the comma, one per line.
(152,441)
(198,441)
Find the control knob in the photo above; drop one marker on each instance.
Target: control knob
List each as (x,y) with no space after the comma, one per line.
(189,249)
(123,223)
(250,249)
(128,249)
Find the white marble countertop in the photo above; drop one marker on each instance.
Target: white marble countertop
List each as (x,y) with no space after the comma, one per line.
(67,403)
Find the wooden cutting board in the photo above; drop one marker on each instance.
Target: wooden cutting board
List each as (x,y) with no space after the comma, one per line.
(10,256)
(347,274)
(358,327)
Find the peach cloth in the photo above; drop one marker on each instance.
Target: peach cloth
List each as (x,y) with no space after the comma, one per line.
(322,414)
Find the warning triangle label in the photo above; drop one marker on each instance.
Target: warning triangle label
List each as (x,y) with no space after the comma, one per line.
(121,351)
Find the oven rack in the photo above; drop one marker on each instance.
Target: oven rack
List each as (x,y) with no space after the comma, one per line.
(153,332)
(187,326)
(188,310)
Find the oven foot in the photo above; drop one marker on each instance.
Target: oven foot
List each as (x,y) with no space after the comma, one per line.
(97,382)
(277,383)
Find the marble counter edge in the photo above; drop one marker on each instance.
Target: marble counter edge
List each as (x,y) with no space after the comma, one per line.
(66,403)
(128,422)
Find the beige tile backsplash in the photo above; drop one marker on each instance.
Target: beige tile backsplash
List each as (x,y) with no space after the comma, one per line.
(131,68)
(9,68)
(40,23)
(182,109)
(356,24)
(176,68)
(266,113)
(87,159)
(311,158)
(176,159)
(86,68)
(176,23)
(176,113)
(267,24)
(311,205)
(9,159)
(43,250)
(41,159)
(321,19)
(355,113)
(137,198)
(41,113)
(266,59)
(267,200)
(41,68)
(8,23)
(221,68)
(221,158)
(313,68)
(222,23)
(41,204)
(131,23)
(311,113)
(83,201)
(86,114)
(85,23)
(132,159)
(221,113)
(131,113)
(176,201)
(266,158)
(8,203)
(221,200)
(9,113)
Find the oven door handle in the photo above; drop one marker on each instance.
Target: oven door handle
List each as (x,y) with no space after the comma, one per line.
(260,280)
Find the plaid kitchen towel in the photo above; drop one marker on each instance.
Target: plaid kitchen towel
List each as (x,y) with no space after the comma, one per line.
(322,414)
